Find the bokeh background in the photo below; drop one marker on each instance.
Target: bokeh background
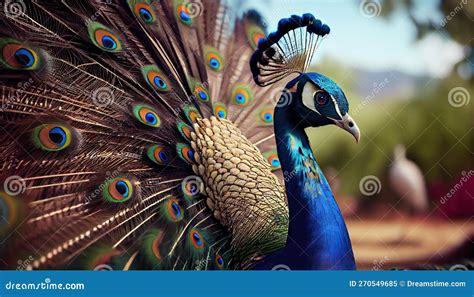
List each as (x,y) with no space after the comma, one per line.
(407,69)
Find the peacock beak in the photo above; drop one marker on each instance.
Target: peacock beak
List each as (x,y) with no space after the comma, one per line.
(348,124)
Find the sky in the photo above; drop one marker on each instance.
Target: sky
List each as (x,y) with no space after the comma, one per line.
(372,42)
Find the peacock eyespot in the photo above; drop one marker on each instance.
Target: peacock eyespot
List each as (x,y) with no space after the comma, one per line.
(144,12)
(173,210)
(266,116)
(118,190)
(185,152)
(255,34)
(272,159)
(159,154)
(16,56)
(321,97)
(220,111)
(104,38)
(52,137)
(155,78)
(191,187)
(147,115)
(256,37)
(241,95)
(201,93)
(153,246)
(184,15)
(213,59)
(185,130)
(192,114)
(196,239)
(219,262)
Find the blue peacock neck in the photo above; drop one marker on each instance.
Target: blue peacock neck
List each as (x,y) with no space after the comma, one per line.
(317,235)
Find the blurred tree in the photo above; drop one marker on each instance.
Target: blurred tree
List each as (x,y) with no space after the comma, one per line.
(456,22)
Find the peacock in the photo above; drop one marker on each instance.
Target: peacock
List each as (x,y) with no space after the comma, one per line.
(145,134)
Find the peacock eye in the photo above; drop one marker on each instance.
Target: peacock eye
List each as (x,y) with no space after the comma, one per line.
(147,115)
(104,38)
(219,261)
(173,210)
(321,97)
(196,239)
(17,56)
(118,190)
(52,137)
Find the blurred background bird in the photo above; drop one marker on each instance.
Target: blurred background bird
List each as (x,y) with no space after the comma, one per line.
(408,181)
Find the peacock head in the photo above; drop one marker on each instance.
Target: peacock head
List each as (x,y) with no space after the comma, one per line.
(316,100)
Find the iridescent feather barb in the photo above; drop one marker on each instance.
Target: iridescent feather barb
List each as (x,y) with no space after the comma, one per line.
(288,50)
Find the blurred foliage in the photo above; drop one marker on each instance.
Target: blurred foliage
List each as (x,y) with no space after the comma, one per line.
(438,136)
(456,18)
